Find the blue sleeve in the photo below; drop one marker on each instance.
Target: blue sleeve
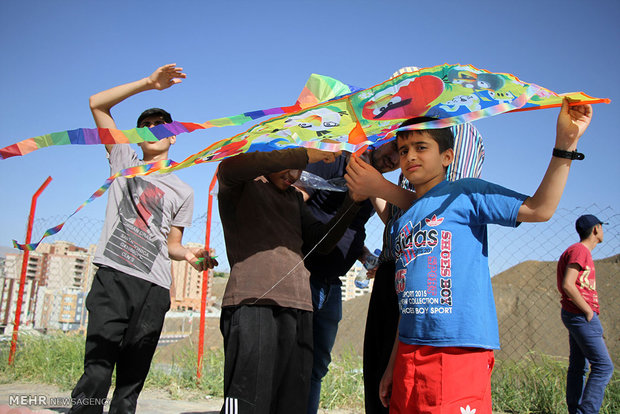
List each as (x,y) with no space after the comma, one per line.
(494,204)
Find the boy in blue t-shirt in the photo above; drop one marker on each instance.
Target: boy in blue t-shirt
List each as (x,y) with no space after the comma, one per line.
(442,357)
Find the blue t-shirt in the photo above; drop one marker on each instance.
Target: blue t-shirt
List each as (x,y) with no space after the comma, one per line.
(442,271)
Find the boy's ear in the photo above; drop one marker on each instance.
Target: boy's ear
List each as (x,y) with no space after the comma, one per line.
(173,139)
(447,157)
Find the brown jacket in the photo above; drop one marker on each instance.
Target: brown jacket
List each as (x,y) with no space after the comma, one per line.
(265,228)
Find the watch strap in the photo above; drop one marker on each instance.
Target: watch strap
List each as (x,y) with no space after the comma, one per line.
(570,155)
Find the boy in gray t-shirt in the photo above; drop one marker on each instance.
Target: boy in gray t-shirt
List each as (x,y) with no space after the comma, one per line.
(143,230)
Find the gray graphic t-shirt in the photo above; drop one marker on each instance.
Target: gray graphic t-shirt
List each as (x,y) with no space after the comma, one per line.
(139,214)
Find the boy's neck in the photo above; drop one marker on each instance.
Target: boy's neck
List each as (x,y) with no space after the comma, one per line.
(150,158)
(425,187)
(590,243)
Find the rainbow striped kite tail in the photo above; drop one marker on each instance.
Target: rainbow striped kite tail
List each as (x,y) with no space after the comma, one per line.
(33,246)
(30,247)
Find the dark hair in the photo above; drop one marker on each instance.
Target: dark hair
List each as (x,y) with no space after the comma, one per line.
(585,233)
(154,112)
(442,136)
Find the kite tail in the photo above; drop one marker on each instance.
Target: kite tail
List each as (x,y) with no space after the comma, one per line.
(145,169)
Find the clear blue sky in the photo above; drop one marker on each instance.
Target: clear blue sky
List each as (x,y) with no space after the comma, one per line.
(247,55)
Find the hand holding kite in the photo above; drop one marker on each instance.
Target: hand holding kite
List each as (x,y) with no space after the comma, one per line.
(572,123)
(363,179)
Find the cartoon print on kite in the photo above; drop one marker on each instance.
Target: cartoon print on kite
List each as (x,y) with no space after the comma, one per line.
(467,90)
(319,120)
(309,125)
(461,104)
(475,81)
(406,99)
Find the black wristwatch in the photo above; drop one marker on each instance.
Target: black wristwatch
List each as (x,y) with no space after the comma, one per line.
(570,155)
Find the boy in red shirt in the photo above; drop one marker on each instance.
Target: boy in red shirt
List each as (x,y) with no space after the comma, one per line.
(576,280)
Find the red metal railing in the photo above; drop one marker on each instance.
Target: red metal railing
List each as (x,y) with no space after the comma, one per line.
(22,279)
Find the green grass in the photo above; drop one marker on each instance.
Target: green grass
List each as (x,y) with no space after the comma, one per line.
(54,359)
(343,386)
(537,384)
(534,384)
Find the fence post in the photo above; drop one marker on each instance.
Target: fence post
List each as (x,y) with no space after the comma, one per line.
(22,278)
(205,279)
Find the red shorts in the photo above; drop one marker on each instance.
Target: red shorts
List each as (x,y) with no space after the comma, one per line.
(436,380)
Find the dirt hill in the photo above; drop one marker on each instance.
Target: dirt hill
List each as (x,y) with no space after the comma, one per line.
(528,308)
(527,304)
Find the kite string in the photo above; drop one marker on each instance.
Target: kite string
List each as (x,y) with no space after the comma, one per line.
(304,258)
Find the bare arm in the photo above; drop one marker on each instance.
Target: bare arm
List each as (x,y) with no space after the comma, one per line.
(572,123)
(569,287)
(363,179)
(192,255)
(381,207)
(102,102)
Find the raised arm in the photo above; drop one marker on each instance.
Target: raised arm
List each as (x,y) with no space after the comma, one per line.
(365,180)
(102,102)
(247,166)
(572,123)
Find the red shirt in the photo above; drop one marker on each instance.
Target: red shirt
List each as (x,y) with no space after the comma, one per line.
(586,280)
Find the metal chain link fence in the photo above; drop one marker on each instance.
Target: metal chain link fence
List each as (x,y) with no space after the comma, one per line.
(522,262)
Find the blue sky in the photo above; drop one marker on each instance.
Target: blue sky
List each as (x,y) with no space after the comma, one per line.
(246,55)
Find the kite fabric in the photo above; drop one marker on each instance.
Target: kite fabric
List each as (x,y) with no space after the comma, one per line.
(332,116)
(318,89)
(328,108)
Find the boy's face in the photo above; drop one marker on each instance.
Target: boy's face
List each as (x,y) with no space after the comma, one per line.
(420,159)
(599,233)
(385,158)
(156,147)
(284,179)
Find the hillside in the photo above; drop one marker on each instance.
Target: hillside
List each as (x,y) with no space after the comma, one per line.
(528,310)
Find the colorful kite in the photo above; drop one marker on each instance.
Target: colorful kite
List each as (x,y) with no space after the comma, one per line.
(318,89)
(333,116)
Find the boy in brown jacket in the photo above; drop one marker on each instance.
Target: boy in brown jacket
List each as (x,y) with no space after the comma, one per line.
(266,317)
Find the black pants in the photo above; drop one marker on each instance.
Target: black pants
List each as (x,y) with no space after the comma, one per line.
(268,359)
(381,326)
(126,316)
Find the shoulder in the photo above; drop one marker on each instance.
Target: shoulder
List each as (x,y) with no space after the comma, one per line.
(182,185)
(578,254)
(578,249)
(122,156)
(474,185)
(477,187)
(122,153)
(181,188)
